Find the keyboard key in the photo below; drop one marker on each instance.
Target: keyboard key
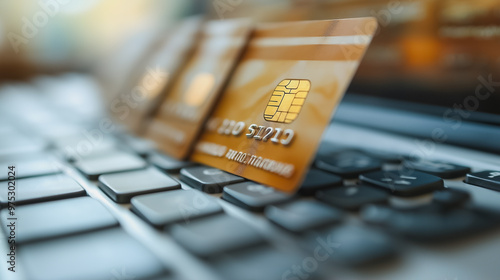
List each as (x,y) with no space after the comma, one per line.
(109,163)
(487,179)
(166,163)
(385,156)
(29,166)
(208,179)
(103,254)
(352,197)
(376,214)
(58,218)
(302,215)
(78,147)
(174,206)
(431,224)
(121,187)
(348,164)
(253,196)
(257,263)
(441,169)
(214,235)
(451,197)
(43,188)
(404,185)
(355,245)
(317,180)
(13,144)
(138,145)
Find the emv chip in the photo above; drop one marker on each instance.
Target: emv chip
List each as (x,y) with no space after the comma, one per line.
(287,100)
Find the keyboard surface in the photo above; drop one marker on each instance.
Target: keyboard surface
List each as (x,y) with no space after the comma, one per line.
(126,211)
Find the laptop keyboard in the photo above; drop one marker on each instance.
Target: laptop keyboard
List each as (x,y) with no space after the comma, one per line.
(354,206)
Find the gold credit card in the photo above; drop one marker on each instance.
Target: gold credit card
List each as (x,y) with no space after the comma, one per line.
(146,88)
(189,101)
(270,119)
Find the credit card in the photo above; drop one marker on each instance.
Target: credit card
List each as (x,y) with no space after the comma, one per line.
(144,90)
(189,101)
(270,119)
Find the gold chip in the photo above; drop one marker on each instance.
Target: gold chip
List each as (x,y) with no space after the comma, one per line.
(287,100)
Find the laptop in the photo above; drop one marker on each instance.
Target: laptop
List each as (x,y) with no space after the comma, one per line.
(386,198)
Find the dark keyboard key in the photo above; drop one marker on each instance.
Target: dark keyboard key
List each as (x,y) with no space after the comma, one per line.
(451,197)
(43,188)
(174,206)
(29,166)
(121,187)
(376,214)
(58,218)
(348,164)
(355,245)
(385,156)
(103,254)
(352,197)
(441,169)
(214,235)
(405,185)
(208,179)
(317,180)
(486,179)
(299,216)
(258,263)
(253,196)
(431,224)
(167,163)
(109,163)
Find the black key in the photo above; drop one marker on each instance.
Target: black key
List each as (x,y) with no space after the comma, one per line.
(121,187)
(431,224)
(167,163)
(253,196)
(352,197)
(317,180)
(355,245)
(208,179)
(487,179)
(258,263)
(414,183)
(376,214)
(327,148)
(441,169)
(214,235)
(43,188)
(109,163)
(302,215)
(174,206)
(29,166)
(451,197)
(103,254)
(387,157)
(58,218)
(348,164)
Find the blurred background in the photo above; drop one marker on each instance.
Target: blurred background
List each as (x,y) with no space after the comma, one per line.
(424,48)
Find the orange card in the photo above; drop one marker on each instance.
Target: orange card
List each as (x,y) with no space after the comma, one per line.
(270,119)
(146,88)
(191,98)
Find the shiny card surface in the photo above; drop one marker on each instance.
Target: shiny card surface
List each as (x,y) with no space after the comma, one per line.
(184,110)
(146,88)
(270,119)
